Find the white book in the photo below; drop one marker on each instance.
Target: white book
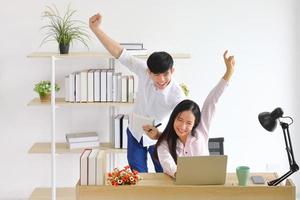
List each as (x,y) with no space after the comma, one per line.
(136,124)
(81,137)
(131,88)
(101,168)
(125,123)
(109,85)
(77,87)
(84,166)
(117,130)
(80,145)
(72,87)
(103,95)
(67,92)
(132,46)
(92,167)
(83,86)
(90,86)
(97,85)
(114,87)
(124,97)
(119,87)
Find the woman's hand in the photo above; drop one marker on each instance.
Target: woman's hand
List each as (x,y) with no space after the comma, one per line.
(229,62)
(151,131)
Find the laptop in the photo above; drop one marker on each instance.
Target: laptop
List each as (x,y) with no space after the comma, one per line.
(201,170)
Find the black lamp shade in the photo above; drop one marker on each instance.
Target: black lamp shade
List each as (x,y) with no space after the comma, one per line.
(269,120)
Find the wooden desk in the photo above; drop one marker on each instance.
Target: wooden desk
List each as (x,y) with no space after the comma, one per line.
(162,187)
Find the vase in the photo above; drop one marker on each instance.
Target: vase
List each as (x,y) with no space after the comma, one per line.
(64,48)
(45,97)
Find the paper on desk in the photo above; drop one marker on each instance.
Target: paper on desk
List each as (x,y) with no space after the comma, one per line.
(136,125)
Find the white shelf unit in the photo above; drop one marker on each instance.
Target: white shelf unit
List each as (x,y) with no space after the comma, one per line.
(60,148)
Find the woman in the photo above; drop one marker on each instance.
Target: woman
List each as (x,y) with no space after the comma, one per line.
(186,133)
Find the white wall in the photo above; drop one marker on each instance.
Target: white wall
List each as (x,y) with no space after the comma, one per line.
(261,35)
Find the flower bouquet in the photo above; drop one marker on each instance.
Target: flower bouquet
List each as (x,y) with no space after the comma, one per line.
(123,177)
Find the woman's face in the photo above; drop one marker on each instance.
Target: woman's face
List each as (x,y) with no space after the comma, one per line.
(184,124)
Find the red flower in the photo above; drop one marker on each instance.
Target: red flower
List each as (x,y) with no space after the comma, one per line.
(123,177)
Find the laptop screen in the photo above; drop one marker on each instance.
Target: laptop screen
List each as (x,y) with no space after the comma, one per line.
(201,170)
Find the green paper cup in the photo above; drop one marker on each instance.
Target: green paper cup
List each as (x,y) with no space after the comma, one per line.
(242,173)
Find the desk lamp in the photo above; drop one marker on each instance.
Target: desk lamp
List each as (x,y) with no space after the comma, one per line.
(269,122)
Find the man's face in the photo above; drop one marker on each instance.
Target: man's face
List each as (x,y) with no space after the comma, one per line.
(161,80)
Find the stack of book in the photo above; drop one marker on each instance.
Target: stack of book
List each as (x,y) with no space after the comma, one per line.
(121,122)
(99,85)
(92,167)
(82,140)
(135,48)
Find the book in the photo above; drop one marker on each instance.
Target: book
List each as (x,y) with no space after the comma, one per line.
(80,145)
(103,85)
(119,87)
(97,85)
(136,124)
(81,137)
(131,88)
(124,96)
(90,85)
(92,167)
(125,123)
(67,99)
(84,166)
(114,87)
(77,87)
(118,130)
(83,86)
(109,85)
(132,46)
(101,168)
(72,87)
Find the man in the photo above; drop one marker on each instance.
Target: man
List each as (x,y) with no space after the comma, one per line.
(157,93)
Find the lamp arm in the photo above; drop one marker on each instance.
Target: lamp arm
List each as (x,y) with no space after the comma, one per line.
(280,179)
(293,165)
(289,148)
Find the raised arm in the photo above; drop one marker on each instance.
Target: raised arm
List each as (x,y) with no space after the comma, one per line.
(211,100)
(113,47)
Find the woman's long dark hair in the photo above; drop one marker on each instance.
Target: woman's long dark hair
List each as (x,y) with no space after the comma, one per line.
(169,133)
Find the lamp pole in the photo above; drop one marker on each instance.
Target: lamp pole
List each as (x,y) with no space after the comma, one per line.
(289,149)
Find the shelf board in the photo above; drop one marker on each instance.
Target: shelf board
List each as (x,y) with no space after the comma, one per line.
(94,55)
(65,193)
(62,148)
(62,102)
(70,55)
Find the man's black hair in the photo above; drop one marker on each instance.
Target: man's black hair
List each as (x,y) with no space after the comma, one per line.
(159,62)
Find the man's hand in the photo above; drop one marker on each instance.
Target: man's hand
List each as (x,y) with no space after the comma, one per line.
(151,131)
(95,21)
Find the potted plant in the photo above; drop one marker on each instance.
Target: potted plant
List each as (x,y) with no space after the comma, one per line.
(43,88)
(63,29)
